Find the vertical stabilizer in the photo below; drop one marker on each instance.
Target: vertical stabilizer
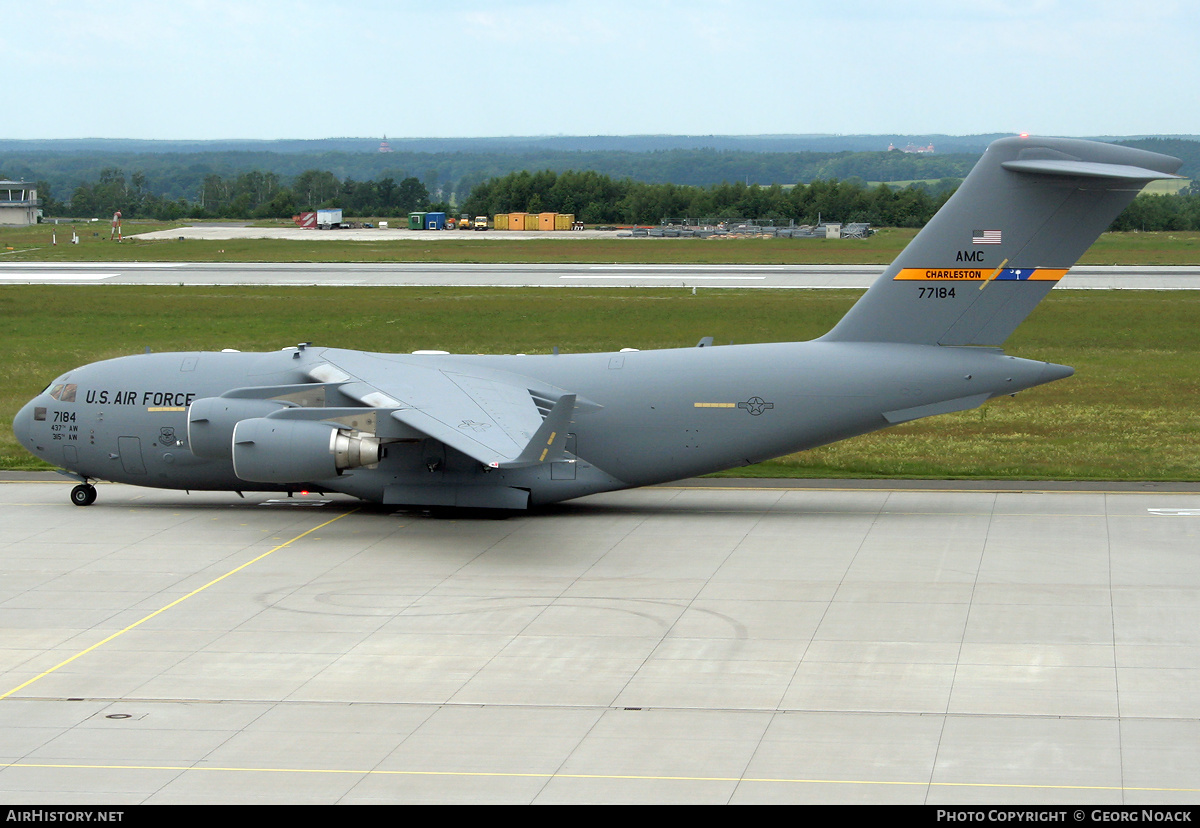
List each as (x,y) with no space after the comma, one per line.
(1025,214)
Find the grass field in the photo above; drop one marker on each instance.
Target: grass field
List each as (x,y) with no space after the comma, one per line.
(33,245)
(1130,413)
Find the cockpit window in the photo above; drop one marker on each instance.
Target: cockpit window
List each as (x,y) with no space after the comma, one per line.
(64,392)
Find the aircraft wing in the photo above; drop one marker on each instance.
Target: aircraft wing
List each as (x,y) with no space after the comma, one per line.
(491,416)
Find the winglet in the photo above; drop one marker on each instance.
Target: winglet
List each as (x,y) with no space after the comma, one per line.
(548,443)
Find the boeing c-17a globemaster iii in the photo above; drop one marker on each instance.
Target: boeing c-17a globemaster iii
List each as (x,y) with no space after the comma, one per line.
(510,432)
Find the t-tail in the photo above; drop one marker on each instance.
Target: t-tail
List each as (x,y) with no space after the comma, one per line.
(1020,220)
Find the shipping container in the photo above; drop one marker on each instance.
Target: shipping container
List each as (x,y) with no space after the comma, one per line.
(546,221)
(500,221)
(416,221)
(531,221)
(516,221)
(435,221)
(329,218)
(564,221)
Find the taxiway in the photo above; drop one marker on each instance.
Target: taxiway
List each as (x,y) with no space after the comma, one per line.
(709,642)
(526,275)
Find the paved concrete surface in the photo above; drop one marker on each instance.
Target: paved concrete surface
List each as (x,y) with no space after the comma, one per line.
(559,275)
(396,232)
(711,642)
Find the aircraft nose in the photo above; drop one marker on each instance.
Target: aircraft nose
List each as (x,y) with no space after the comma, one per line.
(23,425)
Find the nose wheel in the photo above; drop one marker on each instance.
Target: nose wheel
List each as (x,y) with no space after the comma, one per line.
(83,495)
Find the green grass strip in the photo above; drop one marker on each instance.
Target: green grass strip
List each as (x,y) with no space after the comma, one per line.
(1129,413)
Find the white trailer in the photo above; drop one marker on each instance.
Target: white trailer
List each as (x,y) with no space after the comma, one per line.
(329,218)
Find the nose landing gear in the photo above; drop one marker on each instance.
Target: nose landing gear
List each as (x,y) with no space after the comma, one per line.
(83,495)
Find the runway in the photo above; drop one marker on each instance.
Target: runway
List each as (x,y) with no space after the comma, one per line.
(713,642)
(526,275)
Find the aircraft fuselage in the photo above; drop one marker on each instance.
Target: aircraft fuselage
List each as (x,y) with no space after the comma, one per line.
(652,416)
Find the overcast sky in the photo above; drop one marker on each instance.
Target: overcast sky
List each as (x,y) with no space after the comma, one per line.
(298,69)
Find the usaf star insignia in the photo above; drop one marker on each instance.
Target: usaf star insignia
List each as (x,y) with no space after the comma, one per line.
(756,405)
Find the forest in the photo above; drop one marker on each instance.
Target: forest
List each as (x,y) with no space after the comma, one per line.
(602,187)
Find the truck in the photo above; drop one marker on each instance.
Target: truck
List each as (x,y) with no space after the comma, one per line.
(480,223)
(327,219)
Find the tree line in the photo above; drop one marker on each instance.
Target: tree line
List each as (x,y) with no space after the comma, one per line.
(248,195)
(450,176)
(599,199)
(1180,211)
(592,197)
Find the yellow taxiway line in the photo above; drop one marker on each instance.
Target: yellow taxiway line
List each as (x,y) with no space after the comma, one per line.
(174,603)
(553,775)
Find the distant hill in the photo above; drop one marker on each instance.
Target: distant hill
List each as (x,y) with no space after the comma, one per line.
(514,144)
(1186,148)
(535,143)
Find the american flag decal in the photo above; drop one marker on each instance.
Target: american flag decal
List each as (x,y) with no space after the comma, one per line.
(985,237)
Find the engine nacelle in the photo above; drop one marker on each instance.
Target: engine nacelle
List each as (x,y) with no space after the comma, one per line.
(298,451)
(211,421)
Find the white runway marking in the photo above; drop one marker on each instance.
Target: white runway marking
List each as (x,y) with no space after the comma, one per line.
(41,277)
(675,278)
(82,265)
(676,268)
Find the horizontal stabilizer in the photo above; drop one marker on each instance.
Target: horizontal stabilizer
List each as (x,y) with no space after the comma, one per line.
(1086,169)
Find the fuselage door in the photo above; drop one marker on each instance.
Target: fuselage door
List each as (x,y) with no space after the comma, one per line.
(130,449)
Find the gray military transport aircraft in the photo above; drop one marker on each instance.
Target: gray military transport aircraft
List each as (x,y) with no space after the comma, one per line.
(510,432)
